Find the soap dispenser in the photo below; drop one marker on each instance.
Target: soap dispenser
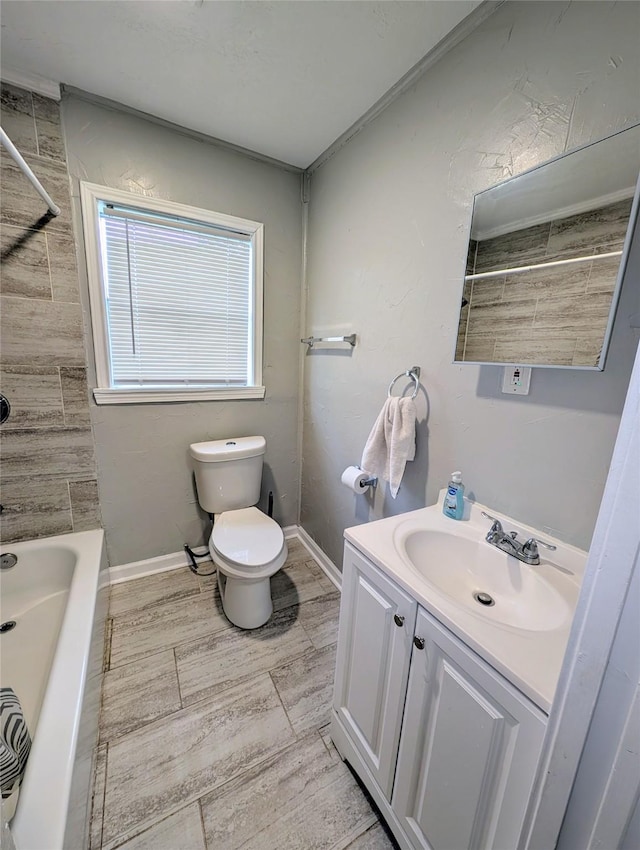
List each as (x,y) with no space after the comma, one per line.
(453,504)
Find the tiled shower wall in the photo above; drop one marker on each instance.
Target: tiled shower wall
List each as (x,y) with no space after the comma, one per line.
(47,466)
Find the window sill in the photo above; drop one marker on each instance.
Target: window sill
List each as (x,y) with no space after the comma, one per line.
(115,396)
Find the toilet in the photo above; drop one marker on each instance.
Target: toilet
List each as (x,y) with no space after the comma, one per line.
(246,546)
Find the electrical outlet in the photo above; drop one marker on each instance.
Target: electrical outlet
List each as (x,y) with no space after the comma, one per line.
(516,379)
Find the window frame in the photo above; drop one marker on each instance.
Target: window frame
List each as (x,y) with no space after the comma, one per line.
(91,194)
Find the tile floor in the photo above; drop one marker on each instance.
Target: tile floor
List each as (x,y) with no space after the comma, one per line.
(215,738)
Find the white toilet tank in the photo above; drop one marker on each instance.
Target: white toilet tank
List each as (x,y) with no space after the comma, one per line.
(228,472)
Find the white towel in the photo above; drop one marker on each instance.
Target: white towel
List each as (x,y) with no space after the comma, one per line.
(392,442)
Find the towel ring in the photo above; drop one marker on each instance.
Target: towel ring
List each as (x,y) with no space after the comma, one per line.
(410,373)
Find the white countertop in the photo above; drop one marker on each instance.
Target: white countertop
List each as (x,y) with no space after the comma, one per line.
(529,659)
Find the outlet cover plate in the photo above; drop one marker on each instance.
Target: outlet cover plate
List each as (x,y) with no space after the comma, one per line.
(516,380)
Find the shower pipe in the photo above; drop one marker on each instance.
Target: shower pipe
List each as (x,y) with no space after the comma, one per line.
(15,154)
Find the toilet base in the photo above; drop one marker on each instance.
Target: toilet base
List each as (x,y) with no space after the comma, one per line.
(246,603)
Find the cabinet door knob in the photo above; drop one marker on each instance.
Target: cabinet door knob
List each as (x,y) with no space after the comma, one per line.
(418,642)
(398,620)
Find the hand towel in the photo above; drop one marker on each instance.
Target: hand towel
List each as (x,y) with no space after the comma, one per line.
(392,442)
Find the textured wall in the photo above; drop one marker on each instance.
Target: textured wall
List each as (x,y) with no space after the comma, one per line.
(47,468)
(148,498)
(389,226)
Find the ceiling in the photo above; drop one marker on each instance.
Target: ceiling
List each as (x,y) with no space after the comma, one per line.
(595,175)
(284,79)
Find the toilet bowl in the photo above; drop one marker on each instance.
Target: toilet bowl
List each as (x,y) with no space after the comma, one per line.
(246,546)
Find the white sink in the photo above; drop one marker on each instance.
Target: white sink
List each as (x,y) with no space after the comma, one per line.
(442,562)
(489,583)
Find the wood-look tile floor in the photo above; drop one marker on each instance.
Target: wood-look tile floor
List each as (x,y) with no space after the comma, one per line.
(215,738)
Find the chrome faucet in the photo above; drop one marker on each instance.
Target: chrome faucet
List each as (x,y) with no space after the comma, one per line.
(526,552)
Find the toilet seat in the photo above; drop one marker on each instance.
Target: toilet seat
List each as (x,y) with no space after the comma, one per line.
(246,543)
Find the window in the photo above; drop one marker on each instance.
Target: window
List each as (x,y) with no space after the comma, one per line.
(176,299)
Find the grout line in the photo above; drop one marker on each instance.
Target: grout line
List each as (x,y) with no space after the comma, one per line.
(255,768)
(155,603)
(286,713)
(324,743)
(106,653)
(138,658)
(307,635)
(35,123)
(202,825)
(226,684)
(68,483)
(367,829)
(33,298)
(124,838)
(223,627)
(46,247)
(119,735)
(64,415)
(94,799)
(175,664)
(121,840)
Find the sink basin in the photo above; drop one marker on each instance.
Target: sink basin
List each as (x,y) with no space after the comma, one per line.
(482,579)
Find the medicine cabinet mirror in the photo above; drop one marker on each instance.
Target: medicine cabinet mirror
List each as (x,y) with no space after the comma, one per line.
(546,258)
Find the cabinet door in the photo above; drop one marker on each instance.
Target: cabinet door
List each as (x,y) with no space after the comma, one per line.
(377,619)
(469,749)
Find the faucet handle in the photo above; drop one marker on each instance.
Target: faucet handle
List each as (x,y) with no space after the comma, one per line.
(541,542)
(497,525)
(530,548)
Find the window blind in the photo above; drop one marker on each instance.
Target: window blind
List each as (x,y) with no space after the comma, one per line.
(179,301)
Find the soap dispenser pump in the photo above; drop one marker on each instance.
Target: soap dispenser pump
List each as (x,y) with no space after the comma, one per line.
(453,504)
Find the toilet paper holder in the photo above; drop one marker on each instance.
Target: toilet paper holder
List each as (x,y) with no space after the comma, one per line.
(371,481)
(358,480)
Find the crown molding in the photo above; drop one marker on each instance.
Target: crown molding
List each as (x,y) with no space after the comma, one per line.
(31,82)
(107,103)
(457,34)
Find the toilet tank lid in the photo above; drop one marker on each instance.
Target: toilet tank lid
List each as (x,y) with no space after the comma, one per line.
(215,451)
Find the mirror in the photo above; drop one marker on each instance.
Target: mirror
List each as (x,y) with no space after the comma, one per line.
(545,259)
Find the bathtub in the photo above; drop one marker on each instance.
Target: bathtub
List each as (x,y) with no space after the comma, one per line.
(58,595)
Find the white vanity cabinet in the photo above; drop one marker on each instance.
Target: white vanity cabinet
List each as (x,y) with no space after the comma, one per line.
(446,745)
(469,748)
(377,619)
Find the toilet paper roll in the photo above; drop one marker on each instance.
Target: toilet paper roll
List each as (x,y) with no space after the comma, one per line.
(353,478)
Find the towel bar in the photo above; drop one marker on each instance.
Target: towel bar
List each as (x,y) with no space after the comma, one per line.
(310,340)
(413,373)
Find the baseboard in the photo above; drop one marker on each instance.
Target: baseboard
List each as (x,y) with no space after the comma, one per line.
(333,573)
(140,569)
(164,563)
